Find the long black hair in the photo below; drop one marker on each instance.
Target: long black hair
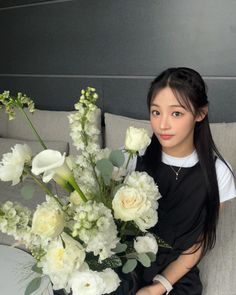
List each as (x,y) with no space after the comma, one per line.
(190,90)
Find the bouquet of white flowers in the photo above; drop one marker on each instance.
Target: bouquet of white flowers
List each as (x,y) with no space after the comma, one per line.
(101,223)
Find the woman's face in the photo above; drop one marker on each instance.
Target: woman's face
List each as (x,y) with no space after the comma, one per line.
(172,123)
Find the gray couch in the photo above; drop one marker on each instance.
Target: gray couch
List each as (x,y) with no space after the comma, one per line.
(217,268)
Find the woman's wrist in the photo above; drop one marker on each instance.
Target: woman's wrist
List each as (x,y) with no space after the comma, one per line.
(158,288)
(164,282)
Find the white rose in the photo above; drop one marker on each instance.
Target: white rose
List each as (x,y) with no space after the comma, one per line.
(87,283)
(50,162)
(136,139)
(147,220)
(48,220)
(111,280)
(146,244)
(129,203)
(12,164)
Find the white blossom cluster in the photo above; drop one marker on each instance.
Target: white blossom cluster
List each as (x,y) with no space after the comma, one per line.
(14,220)
(95,226)
(83,123)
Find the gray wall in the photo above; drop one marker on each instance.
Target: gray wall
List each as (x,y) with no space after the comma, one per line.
(52,49)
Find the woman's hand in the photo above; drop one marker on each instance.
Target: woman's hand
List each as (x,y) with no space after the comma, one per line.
(155,289)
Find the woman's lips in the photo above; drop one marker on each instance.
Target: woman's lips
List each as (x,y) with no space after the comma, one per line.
(165,136)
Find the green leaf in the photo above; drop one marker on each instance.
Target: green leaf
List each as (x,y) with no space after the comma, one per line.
(161,243)
(33,286)
(37,269)
(106,168)
(120,248)
(27,192)
(129,265)
(111,262)
(144,259)
(117,158)
(152,256)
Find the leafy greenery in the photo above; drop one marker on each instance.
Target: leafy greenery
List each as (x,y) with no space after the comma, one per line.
(27,192)
(129,265)
(33,285)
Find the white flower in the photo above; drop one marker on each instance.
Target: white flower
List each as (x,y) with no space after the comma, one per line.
(61,260)
(50,162)
(146,244)
(147,220)
(12,164)
(111,280)
(87,283)
(95,226)
(48,220)
(144,182)
(136,139)
(129,203)
(137,200)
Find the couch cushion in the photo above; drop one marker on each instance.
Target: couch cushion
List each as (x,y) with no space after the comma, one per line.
(217,269)
(223,134)
(3,123)
(7,143)
(51,126)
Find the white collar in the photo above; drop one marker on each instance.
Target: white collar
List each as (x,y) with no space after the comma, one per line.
(187,161)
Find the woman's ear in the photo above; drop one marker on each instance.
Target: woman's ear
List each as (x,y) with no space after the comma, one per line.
(202,114)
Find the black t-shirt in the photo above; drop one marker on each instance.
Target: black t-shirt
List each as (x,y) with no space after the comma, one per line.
(181,216)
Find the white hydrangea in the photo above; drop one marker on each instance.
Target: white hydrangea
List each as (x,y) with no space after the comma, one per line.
(94,225)
(61,260)
(12,164)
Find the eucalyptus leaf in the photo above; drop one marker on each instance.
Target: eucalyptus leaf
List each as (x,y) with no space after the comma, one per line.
(37,269)
(111,262)
(120,248)
(33,285)
(117,158)
(27,192)
(144,259)
(152,256)
(129,265)
(106,168)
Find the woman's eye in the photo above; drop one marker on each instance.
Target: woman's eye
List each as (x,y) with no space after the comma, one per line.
(155,113)
(177,114)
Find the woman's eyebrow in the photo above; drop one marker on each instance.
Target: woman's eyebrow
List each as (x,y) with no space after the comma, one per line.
(172,106)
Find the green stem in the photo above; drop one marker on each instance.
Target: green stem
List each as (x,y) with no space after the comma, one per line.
(122,229)
(43,187)
(130,157)
(73,183)
(32,126)
(96,176)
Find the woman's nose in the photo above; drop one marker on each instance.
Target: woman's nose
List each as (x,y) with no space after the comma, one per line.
(164,123)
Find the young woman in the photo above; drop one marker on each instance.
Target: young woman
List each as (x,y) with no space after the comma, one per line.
(193,179)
